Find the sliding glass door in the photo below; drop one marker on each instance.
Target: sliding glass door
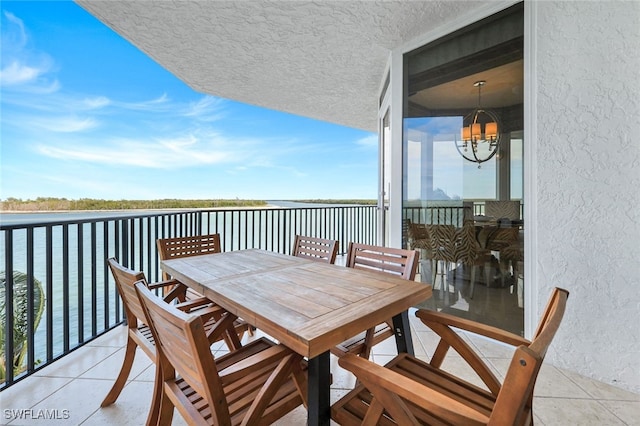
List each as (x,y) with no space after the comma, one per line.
(462,184)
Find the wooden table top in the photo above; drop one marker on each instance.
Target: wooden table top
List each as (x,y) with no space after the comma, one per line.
(306,305)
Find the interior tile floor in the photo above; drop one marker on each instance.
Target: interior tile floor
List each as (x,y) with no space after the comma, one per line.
(71,389)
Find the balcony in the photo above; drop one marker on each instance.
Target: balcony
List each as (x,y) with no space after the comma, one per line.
(74,355)
(71,389)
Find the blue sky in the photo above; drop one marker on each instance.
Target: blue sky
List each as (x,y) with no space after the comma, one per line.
(85,114)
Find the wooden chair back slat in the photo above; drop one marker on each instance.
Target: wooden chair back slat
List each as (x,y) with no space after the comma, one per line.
(320,249)
(125,279)
(550,322)
(384,259)
(179,247)
(175,248)
(399,262)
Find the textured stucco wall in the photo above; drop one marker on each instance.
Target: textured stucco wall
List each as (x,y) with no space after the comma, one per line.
(588,182)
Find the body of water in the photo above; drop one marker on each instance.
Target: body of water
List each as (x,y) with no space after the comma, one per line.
(69,260)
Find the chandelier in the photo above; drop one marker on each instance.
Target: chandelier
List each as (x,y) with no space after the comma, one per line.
(480,132)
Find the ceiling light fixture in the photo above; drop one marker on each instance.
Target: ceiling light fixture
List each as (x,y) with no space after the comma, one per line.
(481,131)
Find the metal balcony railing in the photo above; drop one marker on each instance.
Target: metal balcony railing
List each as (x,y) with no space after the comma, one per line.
(63,264)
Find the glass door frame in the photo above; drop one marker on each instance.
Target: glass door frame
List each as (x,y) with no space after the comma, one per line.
(395,96)
(384,166)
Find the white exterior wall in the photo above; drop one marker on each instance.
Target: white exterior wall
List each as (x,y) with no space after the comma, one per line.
(586,166)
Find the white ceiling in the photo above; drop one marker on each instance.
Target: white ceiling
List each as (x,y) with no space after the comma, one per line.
(504,87)
(320,59)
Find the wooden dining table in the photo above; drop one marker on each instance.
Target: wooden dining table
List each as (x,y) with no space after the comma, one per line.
(306,305)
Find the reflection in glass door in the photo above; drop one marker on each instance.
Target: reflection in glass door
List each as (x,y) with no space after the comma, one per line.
(462,188)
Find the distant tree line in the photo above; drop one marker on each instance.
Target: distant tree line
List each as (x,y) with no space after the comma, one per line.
(49,204)
(353,201)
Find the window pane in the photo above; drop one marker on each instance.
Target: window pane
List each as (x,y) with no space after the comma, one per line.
(463,156)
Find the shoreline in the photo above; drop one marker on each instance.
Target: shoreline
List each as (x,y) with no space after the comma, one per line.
(273,206)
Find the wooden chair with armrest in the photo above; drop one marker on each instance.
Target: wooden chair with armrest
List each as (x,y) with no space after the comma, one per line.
(178,247)
(409,391)
(400,262)
(195,245)
(257,384)
(320,249)
(138,332)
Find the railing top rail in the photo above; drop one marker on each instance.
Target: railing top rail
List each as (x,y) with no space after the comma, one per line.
(114,216)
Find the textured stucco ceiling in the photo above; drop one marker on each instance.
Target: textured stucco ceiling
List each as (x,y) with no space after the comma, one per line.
(322,59)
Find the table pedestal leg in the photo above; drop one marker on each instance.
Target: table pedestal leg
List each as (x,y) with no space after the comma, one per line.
(402,329)
(319,412)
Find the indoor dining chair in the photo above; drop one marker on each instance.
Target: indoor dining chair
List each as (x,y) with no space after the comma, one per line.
(138,333)
(320,249)
(502,209)
(255,385)
(409,391)
(400,262)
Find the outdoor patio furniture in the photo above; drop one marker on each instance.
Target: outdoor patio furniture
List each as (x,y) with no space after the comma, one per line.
(174,248)
(399,262)
(195,245)
(306,305)
(138,332)
(320,249)
(408,391)
(257,384)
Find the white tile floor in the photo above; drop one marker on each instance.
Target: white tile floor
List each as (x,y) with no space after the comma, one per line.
(70,391)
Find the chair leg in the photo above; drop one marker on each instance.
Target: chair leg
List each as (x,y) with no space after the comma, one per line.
(156,399)
(434,272)
(165,415)
(488,274)
(121,380)
(473,280)
(445,286)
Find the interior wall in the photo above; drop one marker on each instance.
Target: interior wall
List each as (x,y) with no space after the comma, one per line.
(587,173)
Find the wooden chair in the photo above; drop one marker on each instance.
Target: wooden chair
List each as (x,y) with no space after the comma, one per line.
(257,384)
(175,248)
(409,391)
(320,249)
(178,247)
(400,262)
(138,332)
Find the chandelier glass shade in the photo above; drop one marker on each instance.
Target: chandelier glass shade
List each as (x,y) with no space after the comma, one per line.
(480,133)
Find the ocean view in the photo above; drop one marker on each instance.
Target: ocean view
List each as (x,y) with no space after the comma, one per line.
(66,252)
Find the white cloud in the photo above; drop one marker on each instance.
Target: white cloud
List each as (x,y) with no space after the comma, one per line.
(65,124)
(96,102)
(207,108)
(22,67)
(16,74)
(370,141)
(157,154)
(14,36)
(159,104)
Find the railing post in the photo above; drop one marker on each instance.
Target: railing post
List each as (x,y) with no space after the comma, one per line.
(8,297)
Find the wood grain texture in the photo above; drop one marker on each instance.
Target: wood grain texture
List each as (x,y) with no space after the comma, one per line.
(307,305)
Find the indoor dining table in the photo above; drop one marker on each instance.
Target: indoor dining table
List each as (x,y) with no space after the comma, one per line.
(306,305)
